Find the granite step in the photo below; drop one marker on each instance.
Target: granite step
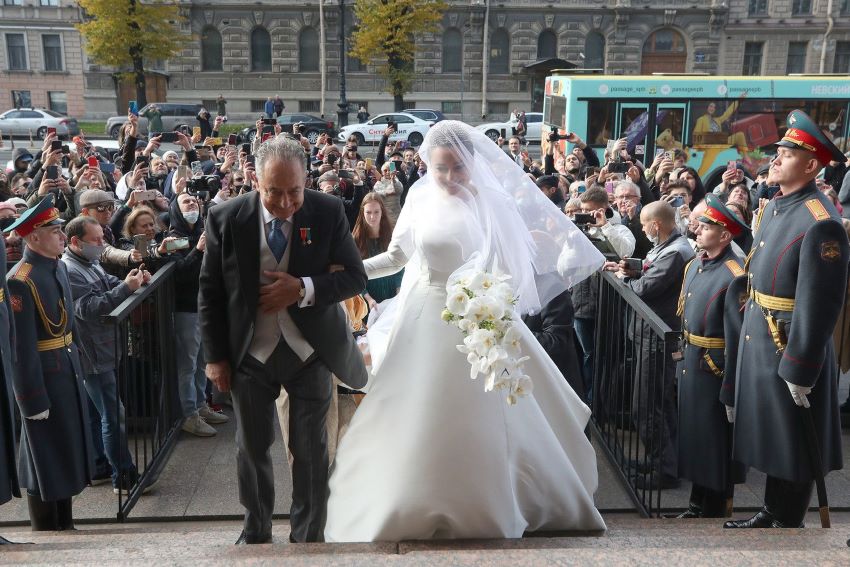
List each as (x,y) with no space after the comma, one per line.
(629,540)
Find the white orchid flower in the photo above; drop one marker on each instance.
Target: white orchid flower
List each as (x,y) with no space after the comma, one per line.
(512,342)
(458,303)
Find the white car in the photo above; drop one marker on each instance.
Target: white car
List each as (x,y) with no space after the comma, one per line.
(533,123)
(408,126)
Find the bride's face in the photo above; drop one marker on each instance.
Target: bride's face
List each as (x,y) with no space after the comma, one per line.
(448,169)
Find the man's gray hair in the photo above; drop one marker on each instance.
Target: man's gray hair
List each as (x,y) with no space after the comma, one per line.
(626,184)
(279,148)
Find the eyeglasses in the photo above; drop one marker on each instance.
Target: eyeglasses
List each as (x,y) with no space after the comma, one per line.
(104,208)
(624,197)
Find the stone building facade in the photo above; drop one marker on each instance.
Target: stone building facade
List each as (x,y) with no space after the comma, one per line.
(247,52)
(41,62)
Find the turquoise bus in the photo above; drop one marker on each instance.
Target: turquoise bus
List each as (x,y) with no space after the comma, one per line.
(713,119)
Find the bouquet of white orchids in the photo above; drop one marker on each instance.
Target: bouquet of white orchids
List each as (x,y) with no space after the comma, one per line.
(482,307)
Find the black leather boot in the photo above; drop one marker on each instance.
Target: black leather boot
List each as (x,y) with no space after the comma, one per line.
(66,517)
(764,519)
(713,504)
(788,501)
(44,516)
(694,504)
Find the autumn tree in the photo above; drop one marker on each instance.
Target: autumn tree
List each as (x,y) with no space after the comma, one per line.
(385,34)
(127,33)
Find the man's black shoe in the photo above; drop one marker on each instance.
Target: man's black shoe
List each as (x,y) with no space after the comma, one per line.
(292,539)
(656,482)
(763,519)
(246,539)
(4,541)
(691,512)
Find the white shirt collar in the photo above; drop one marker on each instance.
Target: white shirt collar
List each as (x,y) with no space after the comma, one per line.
(267,216)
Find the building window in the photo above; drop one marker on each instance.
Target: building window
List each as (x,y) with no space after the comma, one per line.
(842,57)
(664,41)
(801,7)
(16,51)
(52,46)
(310,106)
(13,2)
(210,49)
(308,50)
(499,109)
(797,57)
(50,2)
(452,51)
(844,10)
(757,8)
(547,45)
(594,51)
(752,57)
(500,52)
(22,99)
(261,50)
(258,105)
(451,107)
(57,101)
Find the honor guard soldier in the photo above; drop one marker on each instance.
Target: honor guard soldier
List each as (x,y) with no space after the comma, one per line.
(704,435)
(784,386)
(54,462)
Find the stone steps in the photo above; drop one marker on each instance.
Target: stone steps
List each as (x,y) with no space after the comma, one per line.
(628,541)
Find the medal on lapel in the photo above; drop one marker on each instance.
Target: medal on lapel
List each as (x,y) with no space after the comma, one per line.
(305,237)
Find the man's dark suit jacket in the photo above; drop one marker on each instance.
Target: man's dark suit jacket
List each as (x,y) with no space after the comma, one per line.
(230,286)
(553,328)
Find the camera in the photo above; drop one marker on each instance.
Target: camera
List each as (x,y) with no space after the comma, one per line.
(554,136)
(583,219)
(203,187)
(617,167)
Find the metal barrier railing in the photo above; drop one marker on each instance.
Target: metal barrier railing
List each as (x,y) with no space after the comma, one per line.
(147,384)
(634,404)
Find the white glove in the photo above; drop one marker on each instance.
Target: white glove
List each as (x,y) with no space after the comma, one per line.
(730,414)
(799,394)
(40,416)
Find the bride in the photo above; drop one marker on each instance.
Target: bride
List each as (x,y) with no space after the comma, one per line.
(428,453)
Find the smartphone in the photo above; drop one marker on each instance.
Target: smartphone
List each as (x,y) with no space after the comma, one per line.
(56,145)
(196,131)
(246,148)
(368,163)
(141,161)
(140,243)
(66,149)
(270,121)
(52,172)
(178,244)
(134,108)
(677,202)
(392,166)
(732,165)
(51,131)
(503,133)
(146,195)
(392,125)
(107,167)
(93,162)
(634,264)
(659,151)
(345,174)
(213,142)
(609,186)
(250,159)
(168,137)
(231,140)
(197,170)
(584,218)
(182,171)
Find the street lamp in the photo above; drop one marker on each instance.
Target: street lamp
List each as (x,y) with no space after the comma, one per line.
(342,113)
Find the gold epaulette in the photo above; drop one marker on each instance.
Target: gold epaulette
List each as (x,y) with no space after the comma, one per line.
(757,220)
(817,209)
(23,273)
(734,267)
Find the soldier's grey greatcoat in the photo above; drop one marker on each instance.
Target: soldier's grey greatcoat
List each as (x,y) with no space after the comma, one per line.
(800,252)
(704,449)
(55,453)
(8,475)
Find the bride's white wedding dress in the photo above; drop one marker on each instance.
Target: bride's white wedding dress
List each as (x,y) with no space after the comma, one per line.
(429,454)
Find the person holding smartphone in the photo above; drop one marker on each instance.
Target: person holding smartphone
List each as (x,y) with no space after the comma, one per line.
(390,188)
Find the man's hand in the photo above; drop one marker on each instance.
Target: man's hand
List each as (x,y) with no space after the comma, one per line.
(730,414)
(153,145)
(219,120)
(62,184)
(135,279)
(664,169)
(219,374)
(599,216)
(799,394)
(48,140)
(202,242)
(52,157)
(133,121)
(183,141)
(279,294)
(626,272)
(634,174)
(136,256)
(610,267)
(389,131)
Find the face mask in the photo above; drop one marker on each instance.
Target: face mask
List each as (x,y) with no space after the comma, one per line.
(654,239)
(191,216)
(90,252)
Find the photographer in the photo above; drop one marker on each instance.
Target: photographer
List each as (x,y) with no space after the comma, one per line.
(329,183)
(574,169)
(390,190)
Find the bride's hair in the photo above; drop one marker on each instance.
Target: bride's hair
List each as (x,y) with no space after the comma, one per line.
(454,135)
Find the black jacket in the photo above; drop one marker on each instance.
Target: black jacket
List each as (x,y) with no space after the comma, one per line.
(188,261)
(553,328)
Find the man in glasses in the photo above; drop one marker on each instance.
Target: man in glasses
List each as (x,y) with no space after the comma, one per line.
(100,205)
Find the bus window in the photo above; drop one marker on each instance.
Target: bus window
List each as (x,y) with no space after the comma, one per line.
(600,122)
(669,126)
(712,124)
(831,116)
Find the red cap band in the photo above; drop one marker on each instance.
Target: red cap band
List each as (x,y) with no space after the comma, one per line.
(806,141)
(720,219)
(37,221)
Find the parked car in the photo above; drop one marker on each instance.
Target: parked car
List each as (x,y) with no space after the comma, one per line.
(23,121)
(426,114)
(313,126)
(409,128)
(173,115)
(533,123)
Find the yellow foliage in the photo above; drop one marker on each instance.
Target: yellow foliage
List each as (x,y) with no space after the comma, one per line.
(116,29)
(385,35)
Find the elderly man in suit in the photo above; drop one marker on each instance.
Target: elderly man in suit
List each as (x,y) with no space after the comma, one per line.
(278,262)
